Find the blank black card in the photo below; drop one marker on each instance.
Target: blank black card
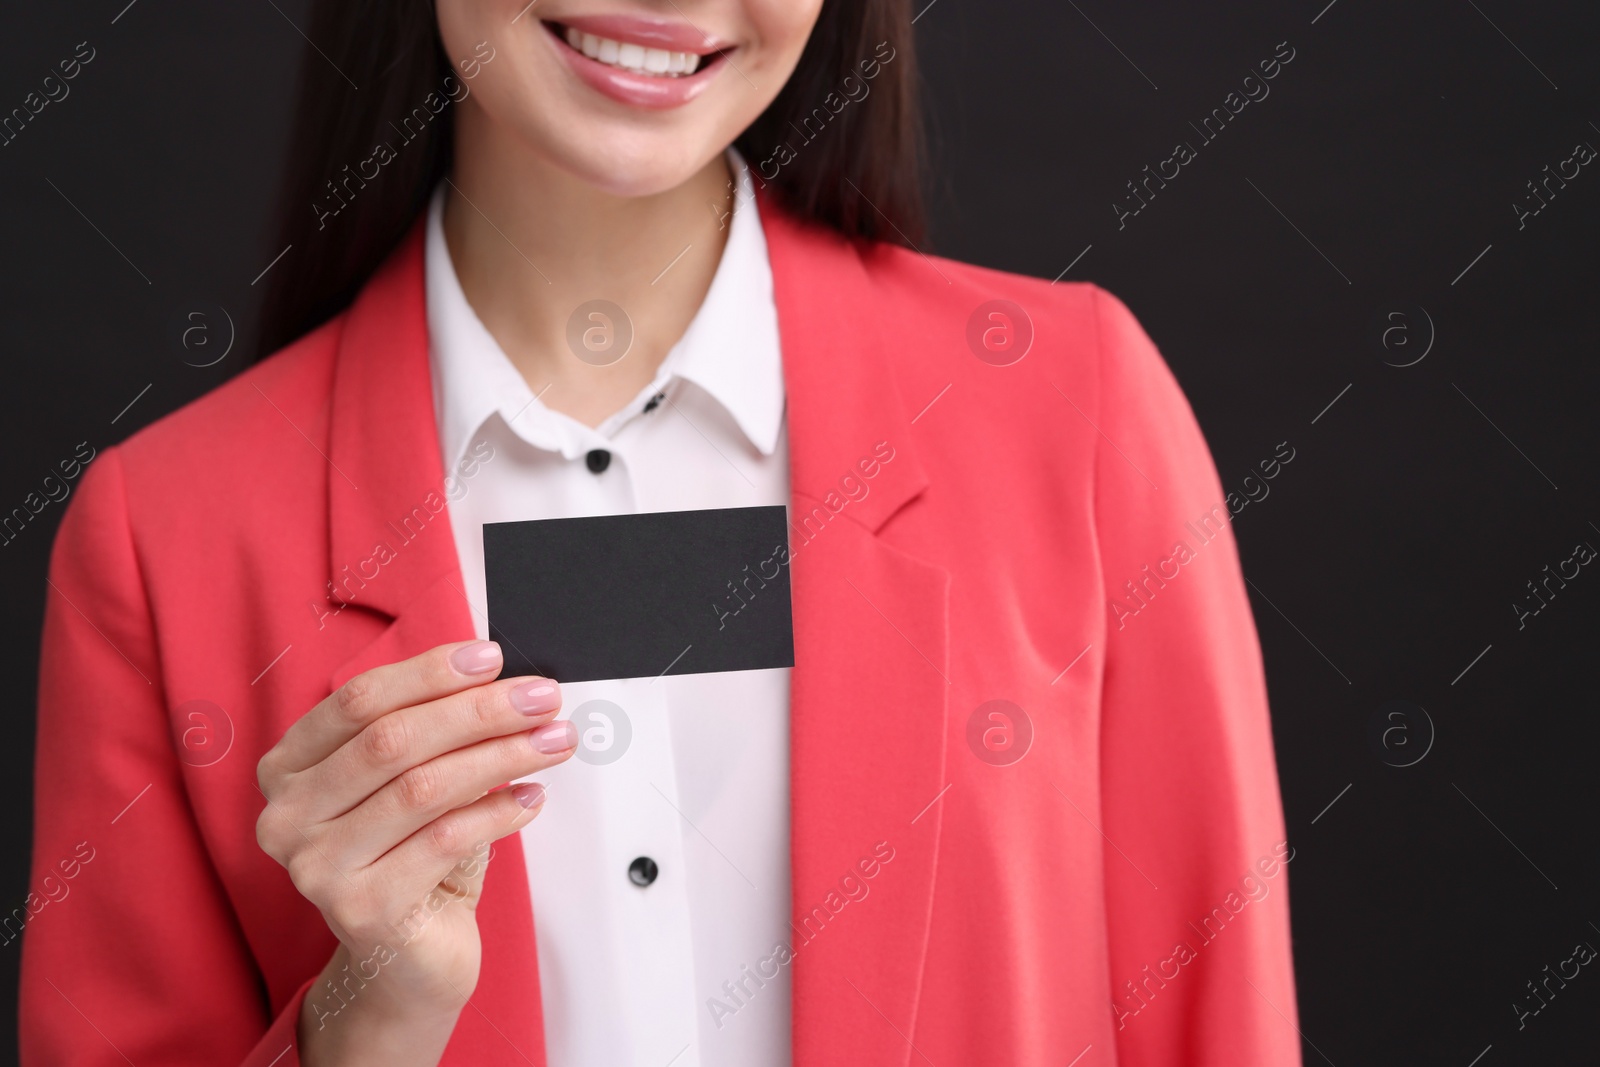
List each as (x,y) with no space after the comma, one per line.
(638,596)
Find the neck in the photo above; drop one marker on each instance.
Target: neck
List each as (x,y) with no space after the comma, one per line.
(531,243)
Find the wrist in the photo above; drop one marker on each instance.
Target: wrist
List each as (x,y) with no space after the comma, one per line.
(349,1021)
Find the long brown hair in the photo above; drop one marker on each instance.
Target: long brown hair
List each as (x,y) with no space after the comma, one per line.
(851,164)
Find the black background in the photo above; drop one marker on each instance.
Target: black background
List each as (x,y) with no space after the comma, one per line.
(1384,162)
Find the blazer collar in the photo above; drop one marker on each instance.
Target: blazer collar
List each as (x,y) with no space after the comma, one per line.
(842,399)
(386,490)
(871,622)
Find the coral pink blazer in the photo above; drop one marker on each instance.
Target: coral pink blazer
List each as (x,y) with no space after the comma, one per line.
(1118,893)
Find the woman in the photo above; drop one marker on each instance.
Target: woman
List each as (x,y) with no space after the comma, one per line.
(1015,802)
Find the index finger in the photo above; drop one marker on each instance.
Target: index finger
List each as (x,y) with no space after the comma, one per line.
(369,696)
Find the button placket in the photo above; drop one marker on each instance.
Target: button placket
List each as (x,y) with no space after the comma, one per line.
(640,795)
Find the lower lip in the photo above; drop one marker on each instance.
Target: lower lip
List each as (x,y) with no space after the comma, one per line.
(639,90)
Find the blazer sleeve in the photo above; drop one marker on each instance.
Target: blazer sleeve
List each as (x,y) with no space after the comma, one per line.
(130,949)
(1196,875)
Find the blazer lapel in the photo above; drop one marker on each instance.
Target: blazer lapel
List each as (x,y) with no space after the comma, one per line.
(393,556)
(869,689)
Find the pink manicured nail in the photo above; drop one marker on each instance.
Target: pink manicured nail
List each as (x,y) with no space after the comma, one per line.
(480,657)
(555,737)
(536,696)
(528,794)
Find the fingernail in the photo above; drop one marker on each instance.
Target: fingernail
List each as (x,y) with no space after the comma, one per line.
(536,696)
(555,737)
(528,794)
(480,657)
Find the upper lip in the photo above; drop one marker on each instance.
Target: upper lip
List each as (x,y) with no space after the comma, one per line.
(647,31)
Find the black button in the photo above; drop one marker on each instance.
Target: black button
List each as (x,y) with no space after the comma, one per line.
(643,871)
(654,402)
(598,460)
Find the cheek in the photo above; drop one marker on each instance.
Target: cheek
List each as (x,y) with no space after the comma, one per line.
(463,24)
(782,24)
(781,30)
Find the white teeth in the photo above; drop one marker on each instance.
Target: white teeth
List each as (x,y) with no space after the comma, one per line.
(632,56)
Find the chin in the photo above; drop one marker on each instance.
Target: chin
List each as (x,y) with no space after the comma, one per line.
(630,162)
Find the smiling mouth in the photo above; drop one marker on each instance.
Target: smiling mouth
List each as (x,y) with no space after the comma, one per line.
(633,58)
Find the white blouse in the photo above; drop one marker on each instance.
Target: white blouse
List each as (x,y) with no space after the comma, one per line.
(691,771)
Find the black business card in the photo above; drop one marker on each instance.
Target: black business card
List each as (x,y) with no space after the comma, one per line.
(638,596)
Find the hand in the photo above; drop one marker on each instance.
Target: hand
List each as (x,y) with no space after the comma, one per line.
(379,806)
